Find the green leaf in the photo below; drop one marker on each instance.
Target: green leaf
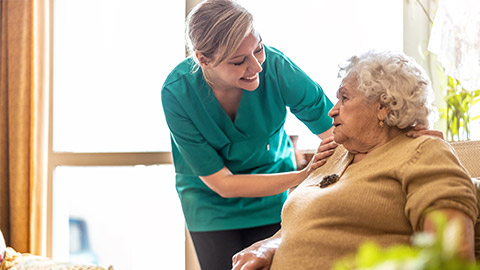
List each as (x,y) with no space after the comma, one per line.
(428,252)
(459,104)
(369,254)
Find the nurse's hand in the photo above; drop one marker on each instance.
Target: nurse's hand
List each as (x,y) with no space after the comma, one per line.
(325,150)
(420,130)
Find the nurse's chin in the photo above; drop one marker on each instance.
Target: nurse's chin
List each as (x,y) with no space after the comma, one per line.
(250,86)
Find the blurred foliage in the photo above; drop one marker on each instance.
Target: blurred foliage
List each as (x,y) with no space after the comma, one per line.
(427,252)
(459,106)
(459,101)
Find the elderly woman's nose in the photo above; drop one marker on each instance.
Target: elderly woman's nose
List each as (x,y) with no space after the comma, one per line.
(333,111)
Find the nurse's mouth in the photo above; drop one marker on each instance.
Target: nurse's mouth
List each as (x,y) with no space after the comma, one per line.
(250,79)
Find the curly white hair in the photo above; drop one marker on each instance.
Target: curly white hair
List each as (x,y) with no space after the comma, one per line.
(397,81)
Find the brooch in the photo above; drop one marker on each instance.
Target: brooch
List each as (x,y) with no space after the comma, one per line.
(328,180)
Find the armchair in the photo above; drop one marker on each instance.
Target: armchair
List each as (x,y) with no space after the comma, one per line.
(13,260)
(469,154)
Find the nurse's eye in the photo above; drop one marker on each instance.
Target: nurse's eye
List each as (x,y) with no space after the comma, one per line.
(239,63)
(260,49)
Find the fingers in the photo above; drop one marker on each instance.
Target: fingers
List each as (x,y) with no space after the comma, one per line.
(319,159)
(327,144)
(420,130)
(248,259)
(419,127)
(417,133)
(327,140)
(244,266)
(326,149)
(317,164)
(248,264)
(257,256)
(323,155)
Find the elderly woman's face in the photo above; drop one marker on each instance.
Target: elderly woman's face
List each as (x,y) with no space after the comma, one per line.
(355,121)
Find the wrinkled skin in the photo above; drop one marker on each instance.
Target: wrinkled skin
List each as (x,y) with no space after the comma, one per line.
(258,256)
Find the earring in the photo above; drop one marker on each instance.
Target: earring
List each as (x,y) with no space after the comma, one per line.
(381,123)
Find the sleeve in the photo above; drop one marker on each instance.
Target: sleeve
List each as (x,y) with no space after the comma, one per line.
(200,158)
(305,97)
(433,179)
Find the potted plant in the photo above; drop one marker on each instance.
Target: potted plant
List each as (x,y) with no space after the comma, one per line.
(455,43)
(458,111)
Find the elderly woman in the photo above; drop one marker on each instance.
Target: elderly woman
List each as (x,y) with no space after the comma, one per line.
(380,184)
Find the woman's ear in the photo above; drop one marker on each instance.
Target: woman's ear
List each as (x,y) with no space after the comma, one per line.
(203,60)
(382,111)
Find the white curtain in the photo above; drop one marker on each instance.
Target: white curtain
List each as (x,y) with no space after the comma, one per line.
(455,39)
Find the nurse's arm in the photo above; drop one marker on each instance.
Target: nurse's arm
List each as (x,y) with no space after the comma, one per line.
(229,185)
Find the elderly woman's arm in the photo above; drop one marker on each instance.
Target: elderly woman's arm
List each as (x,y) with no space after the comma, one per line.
(259,255)
(467,241)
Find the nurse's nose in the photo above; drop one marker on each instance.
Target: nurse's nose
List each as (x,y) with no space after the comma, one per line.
(255,65)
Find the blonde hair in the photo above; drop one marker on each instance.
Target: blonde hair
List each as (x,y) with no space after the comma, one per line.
(216,28)
(398,82)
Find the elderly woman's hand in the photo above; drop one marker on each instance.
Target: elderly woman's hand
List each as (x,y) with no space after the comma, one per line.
(420,130)
(258,256)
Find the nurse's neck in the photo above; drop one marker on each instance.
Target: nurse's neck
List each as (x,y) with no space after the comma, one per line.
(229,99)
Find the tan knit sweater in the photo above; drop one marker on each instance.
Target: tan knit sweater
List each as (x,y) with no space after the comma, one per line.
(382,198)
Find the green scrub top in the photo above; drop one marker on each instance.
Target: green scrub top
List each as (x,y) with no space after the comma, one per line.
(205,139)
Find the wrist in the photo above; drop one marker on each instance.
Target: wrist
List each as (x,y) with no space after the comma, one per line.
(301,175)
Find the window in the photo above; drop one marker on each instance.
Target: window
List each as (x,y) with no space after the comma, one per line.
(114,200)
(112,178)
(110,60)
(318,35)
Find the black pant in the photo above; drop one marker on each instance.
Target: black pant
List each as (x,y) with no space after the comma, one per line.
(215,249)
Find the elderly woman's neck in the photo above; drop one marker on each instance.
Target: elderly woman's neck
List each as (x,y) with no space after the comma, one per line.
(381,138)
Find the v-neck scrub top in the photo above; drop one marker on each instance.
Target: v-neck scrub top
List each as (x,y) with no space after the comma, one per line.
(205,139)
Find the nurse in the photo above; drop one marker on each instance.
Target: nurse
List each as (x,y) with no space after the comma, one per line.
(225,107)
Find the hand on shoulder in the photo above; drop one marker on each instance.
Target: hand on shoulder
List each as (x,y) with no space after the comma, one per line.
(325,150)
(420,130)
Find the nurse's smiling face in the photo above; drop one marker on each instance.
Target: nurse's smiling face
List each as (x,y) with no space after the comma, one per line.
(241,70)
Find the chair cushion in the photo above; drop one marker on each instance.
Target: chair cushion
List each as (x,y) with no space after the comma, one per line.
(23,261)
